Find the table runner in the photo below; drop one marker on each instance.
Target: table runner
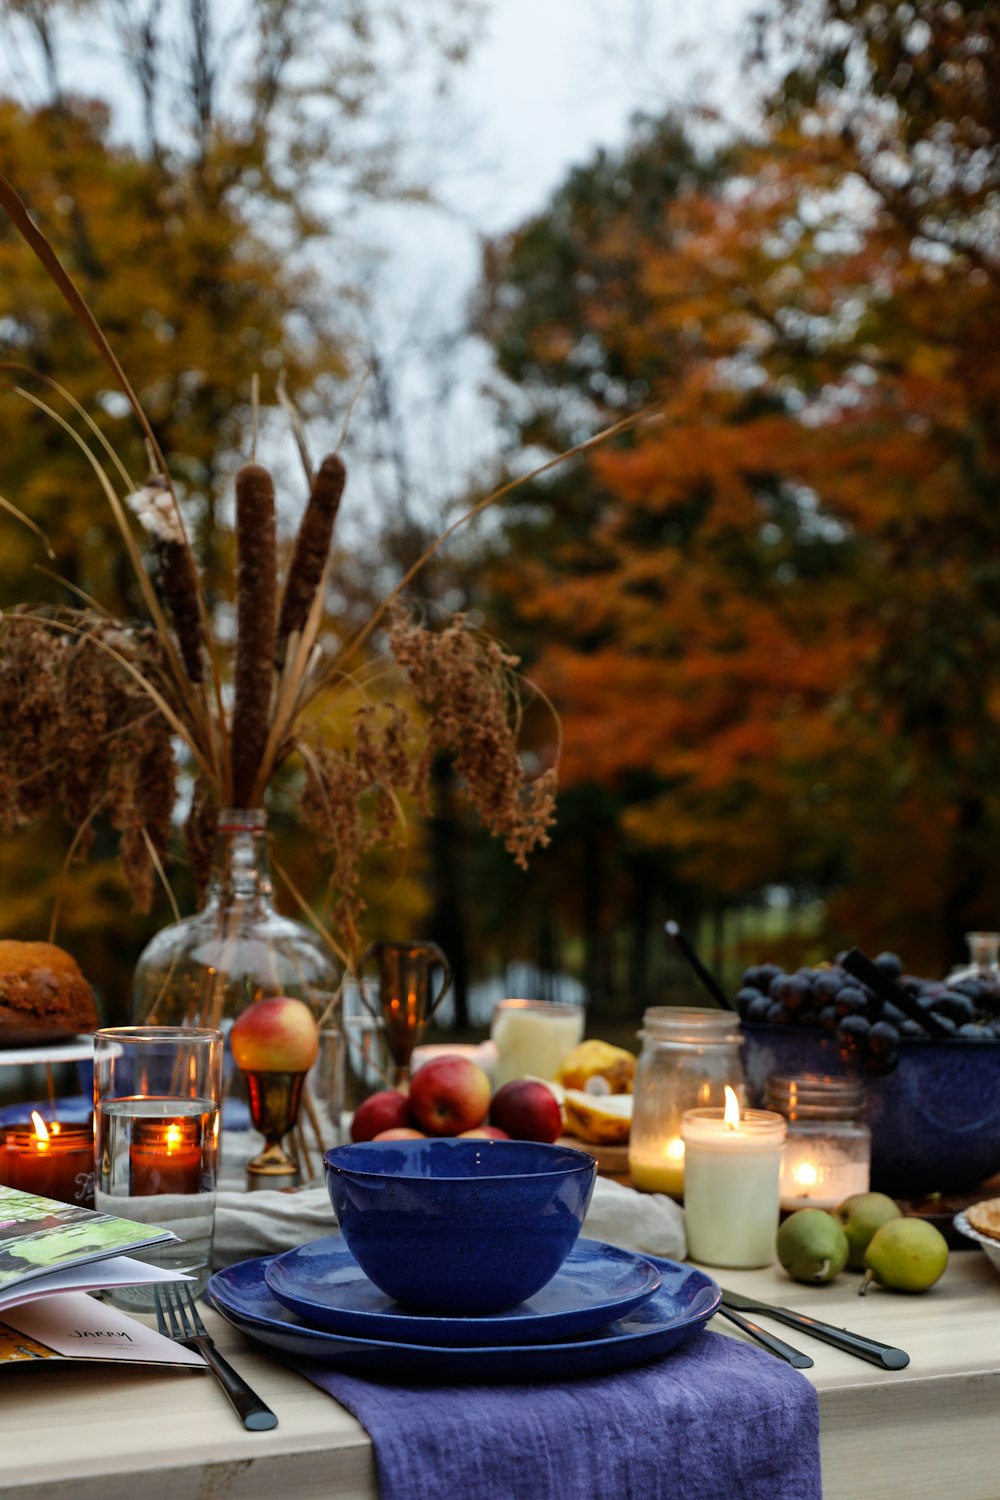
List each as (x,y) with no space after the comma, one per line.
(713,1420)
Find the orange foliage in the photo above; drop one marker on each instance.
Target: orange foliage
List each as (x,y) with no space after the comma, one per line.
(787,607)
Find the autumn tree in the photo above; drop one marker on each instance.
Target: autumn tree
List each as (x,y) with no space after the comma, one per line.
(196,193)
(784,605)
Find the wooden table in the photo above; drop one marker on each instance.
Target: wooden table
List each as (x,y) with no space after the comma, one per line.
(931,1430)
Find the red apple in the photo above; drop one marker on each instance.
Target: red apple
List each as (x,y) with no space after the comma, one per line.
(449,1095)
(485,1133)
(384,1111)
(527,1110)
(277,1035)
(400,1133)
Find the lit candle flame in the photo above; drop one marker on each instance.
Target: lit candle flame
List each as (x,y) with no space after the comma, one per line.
(41,1131)
(732,1114)
(675,1149)
(805,1174)
(173,1138)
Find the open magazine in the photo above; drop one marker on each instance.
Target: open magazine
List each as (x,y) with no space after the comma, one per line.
(40,1238)
(47,1248)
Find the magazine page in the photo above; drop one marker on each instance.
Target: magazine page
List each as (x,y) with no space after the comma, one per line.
(91,1276)
(75,1326)
(39,1235)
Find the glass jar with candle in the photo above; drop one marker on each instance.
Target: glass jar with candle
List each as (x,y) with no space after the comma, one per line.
(157,1091)
(687,1058)
(827,1154)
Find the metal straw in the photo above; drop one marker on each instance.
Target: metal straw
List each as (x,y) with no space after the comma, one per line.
(708,980)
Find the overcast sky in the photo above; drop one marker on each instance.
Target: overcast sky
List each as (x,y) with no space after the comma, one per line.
(554,79)
(550,82)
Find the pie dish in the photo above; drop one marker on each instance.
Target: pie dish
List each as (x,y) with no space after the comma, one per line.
(989,1242)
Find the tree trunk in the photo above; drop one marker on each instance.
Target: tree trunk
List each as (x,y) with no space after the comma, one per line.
(966,879)
(447,921)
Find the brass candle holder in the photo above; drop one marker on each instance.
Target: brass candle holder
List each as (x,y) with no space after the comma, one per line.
(274,1110)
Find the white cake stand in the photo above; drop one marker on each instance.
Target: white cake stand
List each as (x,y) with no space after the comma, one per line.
(73,1049)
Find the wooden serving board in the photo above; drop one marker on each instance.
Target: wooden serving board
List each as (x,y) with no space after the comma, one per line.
(612,1161)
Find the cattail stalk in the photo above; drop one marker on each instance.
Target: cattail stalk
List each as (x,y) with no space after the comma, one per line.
(156,508)
(256,607)
(312,548)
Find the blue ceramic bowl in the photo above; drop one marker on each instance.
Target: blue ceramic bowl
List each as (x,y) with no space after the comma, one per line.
(464,1227)
(935,1120)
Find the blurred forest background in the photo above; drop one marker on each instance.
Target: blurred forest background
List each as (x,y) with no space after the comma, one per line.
(768,615)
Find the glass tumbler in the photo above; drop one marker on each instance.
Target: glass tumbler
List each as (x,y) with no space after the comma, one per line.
(533,1037)
(157,1091)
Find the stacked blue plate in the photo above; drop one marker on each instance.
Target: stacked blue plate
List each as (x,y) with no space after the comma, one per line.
(606,1308)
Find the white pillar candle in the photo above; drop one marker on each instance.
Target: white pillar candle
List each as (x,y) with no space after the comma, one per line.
(532,1038)
(732,1166)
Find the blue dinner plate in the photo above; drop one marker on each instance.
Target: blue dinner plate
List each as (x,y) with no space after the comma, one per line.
(686,1299)
(325,1286)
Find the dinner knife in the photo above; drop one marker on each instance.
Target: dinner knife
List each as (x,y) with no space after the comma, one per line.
(841,1338)
(777,1346)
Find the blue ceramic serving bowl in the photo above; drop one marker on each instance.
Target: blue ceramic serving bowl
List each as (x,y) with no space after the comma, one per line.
(464,1227)
(935,1120)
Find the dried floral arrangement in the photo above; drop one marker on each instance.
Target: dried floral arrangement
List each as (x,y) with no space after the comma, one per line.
(92,706)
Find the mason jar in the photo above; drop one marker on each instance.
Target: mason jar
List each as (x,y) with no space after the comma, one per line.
(687,1059)
(827,1154)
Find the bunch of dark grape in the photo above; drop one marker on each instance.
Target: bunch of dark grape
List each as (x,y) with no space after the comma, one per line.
(867,1028)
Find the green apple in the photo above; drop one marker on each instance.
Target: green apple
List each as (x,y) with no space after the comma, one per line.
(860,1216)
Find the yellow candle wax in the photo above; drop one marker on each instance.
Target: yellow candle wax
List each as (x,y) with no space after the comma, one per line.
(659,1170)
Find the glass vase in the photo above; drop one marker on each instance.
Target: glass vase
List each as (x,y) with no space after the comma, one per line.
(207,969)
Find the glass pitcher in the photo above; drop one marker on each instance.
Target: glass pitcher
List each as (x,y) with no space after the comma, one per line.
(406,1003)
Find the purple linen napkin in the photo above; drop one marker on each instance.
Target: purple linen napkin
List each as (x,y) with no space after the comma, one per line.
(713,1420)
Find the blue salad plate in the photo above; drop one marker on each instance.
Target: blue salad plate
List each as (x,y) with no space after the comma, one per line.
(325,1286)
(676,1312)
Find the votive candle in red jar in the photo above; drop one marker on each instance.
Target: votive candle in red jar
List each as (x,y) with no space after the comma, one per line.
(54,1160)
(165,1156)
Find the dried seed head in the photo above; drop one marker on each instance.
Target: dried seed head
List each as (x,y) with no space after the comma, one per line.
(155,508)
(312,548)
(256,607)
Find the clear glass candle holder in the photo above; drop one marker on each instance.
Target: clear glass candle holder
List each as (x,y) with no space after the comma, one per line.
(688,1057)
(827,1155)
(157,1091)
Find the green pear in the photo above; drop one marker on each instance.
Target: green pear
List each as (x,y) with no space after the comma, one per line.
(906,1255)
(811,1245)
(860,1216)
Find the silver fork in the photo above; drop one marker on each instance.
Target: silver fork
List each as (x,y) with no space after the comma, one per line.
(178,1319)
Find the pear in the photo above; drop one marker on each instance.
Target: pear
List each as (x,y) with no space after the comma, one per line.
(811,1245)
(860,1216)
(905,1255)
